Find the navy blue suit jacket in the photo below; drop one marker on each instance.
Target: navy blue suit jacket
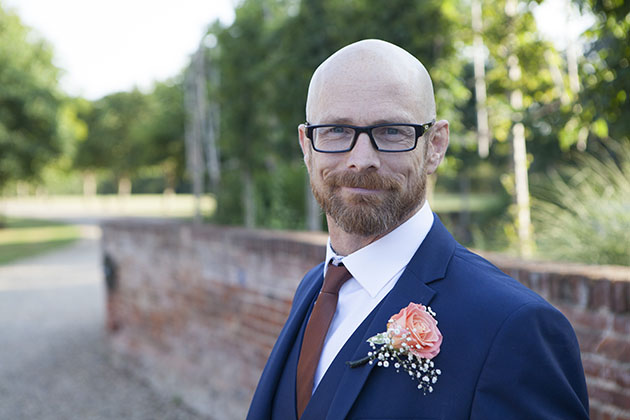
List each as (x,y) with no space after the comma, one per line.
(506,353)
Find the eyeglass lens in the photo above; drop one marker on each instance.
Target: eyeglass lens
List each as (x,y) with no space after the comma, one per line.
(389,137)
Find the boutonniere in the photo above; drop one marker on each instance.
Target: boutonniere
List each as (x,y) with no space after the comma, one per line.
(410,343)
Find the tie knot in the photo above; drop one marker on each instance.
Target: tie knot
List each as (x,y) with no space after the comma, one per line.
(336,276)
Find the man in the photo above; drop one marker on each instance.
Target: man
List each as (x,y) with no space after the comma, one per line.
(480,346)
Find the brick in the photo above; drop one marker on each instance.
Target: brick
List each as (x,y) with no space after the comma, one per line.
(621,399)
(620,297)
(599,394)
(622,376)
(545,287)
(598,413)
(615,349)
(567,289)
(588,339)
(584,318)
(610,371)
(594,368)
(621,324)
(595,413)
(599,294)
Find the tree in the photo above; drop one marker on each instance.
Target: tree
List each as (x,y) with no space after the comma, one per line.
(247,140)
(162,132)
(521,91)
(29,102)
(116,139)
(602,106)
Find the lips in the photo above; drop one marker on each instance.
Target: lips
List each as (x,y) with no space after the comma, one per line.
(360,190)
(362,182)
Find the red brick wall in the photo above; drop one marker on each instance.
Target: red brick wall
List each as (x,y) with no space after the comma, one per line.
(195,310)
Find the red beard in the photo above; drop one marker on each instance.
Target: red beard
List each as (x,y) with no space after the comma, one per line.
(369,214)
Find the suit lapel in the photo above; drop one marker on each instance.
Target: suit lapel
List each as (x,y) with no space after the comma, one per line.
(428,264)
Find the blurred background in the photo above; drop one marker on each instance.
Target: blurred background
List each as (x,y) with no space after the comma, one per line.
(190,110)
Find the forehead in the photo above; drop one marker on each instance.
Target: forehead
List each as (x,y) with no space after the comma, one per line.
(371,106)
(370,83)
(367,99)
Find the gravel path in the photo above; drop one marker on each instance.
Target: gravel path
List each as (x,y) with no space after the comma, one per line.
(54,360)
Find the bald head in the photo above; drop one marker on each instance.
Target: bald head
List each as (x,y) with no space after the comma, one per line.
(363,69)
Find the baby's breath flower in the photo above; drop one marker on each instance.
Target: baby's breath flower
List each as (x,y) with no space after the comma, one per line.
(394,347)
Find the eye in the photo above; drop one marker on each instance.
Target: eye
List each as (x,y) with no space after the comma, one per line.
(390,133)
(335,132)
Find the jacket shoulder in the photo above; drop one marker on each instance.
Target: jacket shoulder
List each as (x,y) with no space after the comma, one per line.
(487,284)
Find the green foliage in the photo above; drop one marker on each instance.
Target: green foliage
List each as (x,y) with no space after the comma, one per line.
(114,140)
(518,35)
(129,131)
(21,238)
(162,132)
(29,102)
(603,102)
(582,213)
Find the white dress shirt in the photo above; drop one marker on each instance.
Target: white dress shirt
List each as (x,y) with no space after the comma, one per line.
(375,270)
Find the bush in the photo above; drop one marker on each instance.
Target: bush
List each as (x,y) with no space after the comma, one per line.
(582,213)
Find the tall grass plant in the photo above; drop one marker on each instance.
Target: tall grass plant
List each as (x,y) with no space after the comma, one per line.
(582,213)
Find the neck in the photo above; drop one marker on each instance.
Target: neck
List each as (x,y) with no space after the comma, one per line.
(344,243)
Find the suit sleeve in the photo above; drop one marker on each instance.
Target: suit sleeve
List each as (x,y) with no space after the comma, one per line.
(533,369)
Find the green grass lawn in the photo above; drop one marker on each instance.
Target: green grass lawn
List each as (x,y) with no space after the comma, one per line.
(452,203)
(20,238)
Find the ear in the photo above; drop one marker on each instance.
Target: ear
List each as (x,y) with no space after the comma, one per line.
(305,145)
(438,143)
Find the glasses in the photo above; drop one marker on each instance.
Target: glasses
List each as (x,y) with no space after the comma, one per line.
(339,138)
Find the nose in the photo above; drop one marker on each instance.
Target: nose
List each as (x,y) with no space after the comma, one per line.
(363,155)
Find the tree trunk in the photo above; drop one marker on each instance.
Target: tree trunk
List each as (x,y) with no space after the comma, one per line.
(572,51)
(249,203)
(170,177)
(483,131)
(523,218)
(22,188)
(522,191)
(124,186)
(556,76)
(194,150)
(89,184)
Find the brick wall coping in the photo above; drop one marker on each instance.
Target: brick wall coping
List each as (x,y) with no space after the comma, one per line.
(318,239)
(564,268)
(314,238)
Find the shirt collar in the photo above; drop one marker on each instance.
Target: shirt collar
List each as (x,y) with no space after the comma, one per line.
(374,265)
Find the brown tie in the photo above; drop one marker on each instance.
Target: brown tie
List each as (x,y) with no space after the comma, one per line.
(315,333)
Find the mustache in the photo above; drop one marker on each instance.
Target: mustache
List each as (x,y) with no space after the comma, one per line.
(366,180)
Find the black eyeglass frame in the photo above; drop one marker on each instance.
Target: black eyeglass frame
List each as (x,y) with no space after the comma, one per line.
(419,128)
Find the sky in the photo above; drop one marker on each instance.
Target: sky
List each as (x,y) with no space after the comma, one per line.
(105,46)
(560,21)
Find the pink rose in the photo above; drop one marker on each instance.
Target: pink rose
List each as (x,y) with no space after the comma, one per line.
(416,327)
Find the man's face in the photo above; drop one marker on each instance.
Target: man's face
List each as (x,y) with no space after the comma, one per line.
(364,191)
